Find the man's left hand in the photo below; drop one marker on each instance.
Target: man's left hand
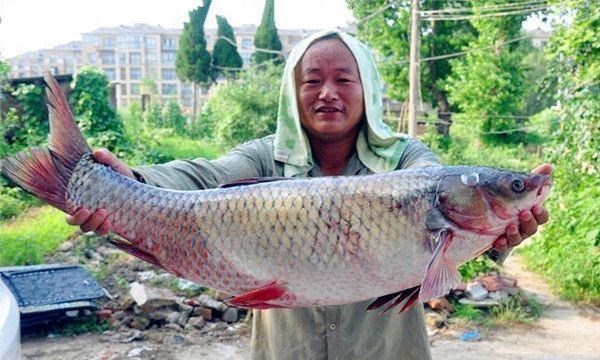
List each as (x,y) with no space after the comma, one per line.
(528,220)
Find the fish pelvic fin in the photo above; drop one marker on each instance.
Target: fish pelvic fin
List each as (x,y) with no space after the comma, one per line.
(259,298)
(45,172)
(441,275)
(410,295)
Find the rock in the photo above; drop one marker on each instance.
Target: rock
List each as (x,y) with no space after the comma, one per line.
(127,303)
(92,255)
(511,290)
(138,351)
(197,311)
(207,314)
(476,291)
(435,320)
(173,327)
(72,313)
(106,251)
(500,296)
(172,317)
(197,322)
(139,323)
(130,336)
(179,340)
(185,308)
(120,315)
(104,314)
(185,285)
(151,297)
(439,304)
(230,315)
(222,296)
(66,246)
(183,318)
(491,283)
(508,281)
(158,316)
(146,275)
(209,302)
(485,303)
(191,302)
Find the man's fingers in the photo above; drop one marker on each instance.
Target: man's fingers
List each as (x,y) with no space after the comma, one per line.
(94,221)
(104,156)
(79,217)
(104,228)
(541,214)
(513,236)
(528,224)
(500,244)
(545,169)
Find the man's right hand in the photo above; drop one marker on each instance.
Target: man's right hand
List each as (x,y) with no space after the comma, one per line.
(97,221)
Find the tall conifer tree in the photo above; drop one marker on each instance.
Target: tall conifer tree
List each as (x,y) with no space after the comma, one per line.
(266,37)
(193,62)
(225,54)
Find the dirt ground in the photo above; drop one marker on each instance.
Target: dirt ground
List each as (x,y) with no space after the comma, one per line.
(562,333)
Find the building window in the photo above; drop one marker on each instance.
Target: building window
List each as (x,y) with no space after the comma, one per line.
(151,72)
(247,44)
(186,90)
(134,89)
(135,41)
(91,39)
(109,42)
(168,57)
(135,58)
(110,74)
(169,89)
(123,72)
(169,43)
(151,57)
(107,58)
(135,73)
(186,101)
(169,74)
(150,42)
(91,57)
(123,89)
(122,58)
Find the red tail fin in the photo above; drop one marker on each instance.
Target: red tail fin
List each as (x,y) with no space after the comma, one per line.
(45,172)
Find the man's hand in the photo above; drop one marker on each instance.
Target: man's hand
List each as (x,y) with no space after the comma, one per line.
(528,220)
(97,221)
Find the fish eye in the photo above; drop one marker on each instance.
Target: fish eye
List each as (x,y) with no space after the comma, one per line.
(517,185)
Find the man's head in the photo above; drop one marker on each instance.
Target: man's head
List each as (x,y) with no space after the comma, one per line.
(329,91)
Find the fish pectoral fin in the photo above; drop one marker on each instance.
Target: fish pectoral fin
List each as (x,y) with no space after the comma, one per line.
(411,294)
(441,275)
(259,298)
(126,246)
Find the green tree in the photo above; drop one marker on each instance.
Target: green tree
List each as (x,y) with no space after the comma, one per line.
(193,61)
(489,83)
(225,52)
(94,114)
(266,39)
(244,108)
(388,34)
(153,116)
(173,118)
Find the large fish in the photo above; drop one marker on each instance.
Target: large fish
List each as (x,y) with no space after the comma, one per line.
(397,237)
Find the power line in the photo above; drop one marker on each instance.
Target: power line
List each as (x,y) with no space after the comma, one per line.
(478,16)
(509,6)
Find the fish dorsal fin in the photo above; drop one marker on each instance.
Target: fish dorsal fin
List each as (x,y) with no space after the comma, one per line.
(252,181)
(441,275)
(259,298)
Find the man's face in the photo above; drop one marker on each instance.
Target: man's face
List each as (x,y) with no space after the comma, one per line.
(329,91)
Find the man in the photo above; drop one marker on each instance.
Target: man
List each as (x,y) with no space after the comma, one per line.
(329,123)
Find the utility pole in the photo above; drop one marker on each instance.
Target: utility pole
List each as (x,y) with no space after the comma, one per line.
(414,100)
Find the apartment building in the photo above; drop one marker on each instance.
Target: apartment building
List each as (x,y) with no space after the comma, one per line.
(133,57)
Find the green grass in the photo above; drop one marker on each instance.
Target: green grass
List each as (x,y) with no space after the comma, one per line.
(35,233)
(518,310)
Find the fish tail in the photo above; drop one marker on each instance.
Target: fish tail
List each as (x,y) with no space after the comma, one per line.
(45,171)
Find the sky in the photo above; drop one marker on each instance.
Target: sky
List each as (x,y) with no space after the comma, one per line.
(28,25)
